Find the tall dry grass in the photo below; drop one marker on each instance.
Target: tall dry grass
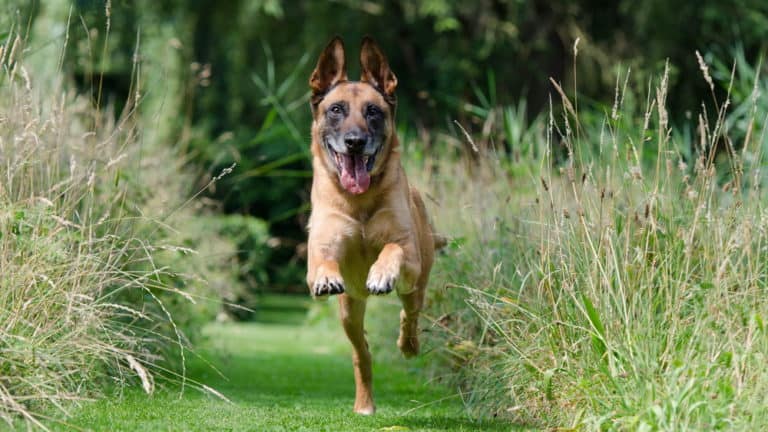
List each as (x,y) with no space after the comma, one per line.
(621,284)
(93,287)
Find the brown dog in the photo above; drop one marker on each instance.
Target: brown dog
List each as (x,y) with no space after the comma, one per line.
(368,232)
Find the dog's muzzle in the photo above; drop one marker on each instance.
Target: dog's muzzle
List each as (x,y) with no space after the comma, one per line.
(354,166)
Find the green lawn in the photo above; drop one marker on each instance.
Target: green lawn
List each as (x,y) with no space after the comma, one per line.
(281,376)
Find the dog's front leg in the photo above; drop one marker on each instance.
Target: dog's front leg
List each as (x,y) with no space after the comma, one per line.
(324,249)
(395,261)
(385,272)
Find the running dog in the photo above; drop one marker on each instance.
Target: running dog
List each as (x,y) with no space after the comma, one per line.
(368,232)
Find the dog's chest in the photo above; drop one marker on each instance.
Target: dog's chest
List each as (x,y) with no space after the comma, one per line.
(360,252)
(361,249)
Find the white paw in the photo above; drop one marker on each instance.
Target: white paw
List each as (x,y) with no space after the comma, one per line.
(381,282)
(328,285)
(366,411)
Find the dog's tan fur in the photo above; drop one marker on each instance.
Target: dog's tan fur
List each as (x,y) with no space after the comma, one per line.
(363,243)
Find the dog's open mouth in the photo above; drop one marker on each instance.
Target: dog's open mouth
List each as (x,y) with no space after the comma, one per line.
(354,170)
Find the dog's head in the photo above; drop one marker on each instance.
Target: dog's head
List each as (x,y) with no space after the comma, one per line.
(353,121)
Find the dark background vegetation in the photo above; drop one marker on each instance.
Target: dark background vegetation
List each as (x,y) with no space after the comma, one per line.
(234,79)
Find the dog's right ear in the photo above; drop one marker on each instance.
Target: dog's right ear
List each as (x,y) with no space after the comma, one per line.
(330,70)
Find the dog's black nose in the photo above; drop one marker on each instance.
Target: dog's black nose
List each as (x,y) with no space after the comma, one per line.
(354,141)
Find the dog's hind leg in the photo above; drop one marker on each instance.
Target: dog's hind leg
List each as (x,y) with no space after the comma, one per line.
(352,316)
(408,341)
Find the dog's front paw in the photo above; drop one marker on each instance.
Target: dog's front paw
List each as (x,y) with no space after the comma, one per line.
(381,280)
(328,285)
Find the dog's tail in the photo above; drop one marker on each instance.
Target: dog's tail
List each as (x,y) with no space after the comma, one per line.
(440,240)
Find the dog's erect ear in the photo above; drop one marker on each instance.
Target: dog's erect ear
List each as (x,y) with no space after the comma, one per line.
(374,68)
(330,70)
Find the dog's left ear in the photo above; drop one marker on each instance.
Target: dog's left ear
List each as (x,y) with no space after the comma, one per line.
(374,68)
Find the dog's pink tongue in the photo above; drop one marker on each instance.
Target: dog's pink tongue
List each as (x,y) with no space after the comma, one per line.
(354,176)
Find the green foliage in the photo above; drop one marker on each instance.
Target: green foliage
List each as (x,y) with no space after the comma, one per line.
(228,79)
(250,236)
(746,88)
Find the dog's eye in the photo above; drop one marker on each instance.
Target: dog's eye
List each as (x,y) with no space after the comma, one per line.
(372,111)
(335,109)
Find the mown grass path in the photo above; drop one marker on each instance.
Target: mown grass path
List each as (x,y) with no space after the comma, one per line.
(281,377)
